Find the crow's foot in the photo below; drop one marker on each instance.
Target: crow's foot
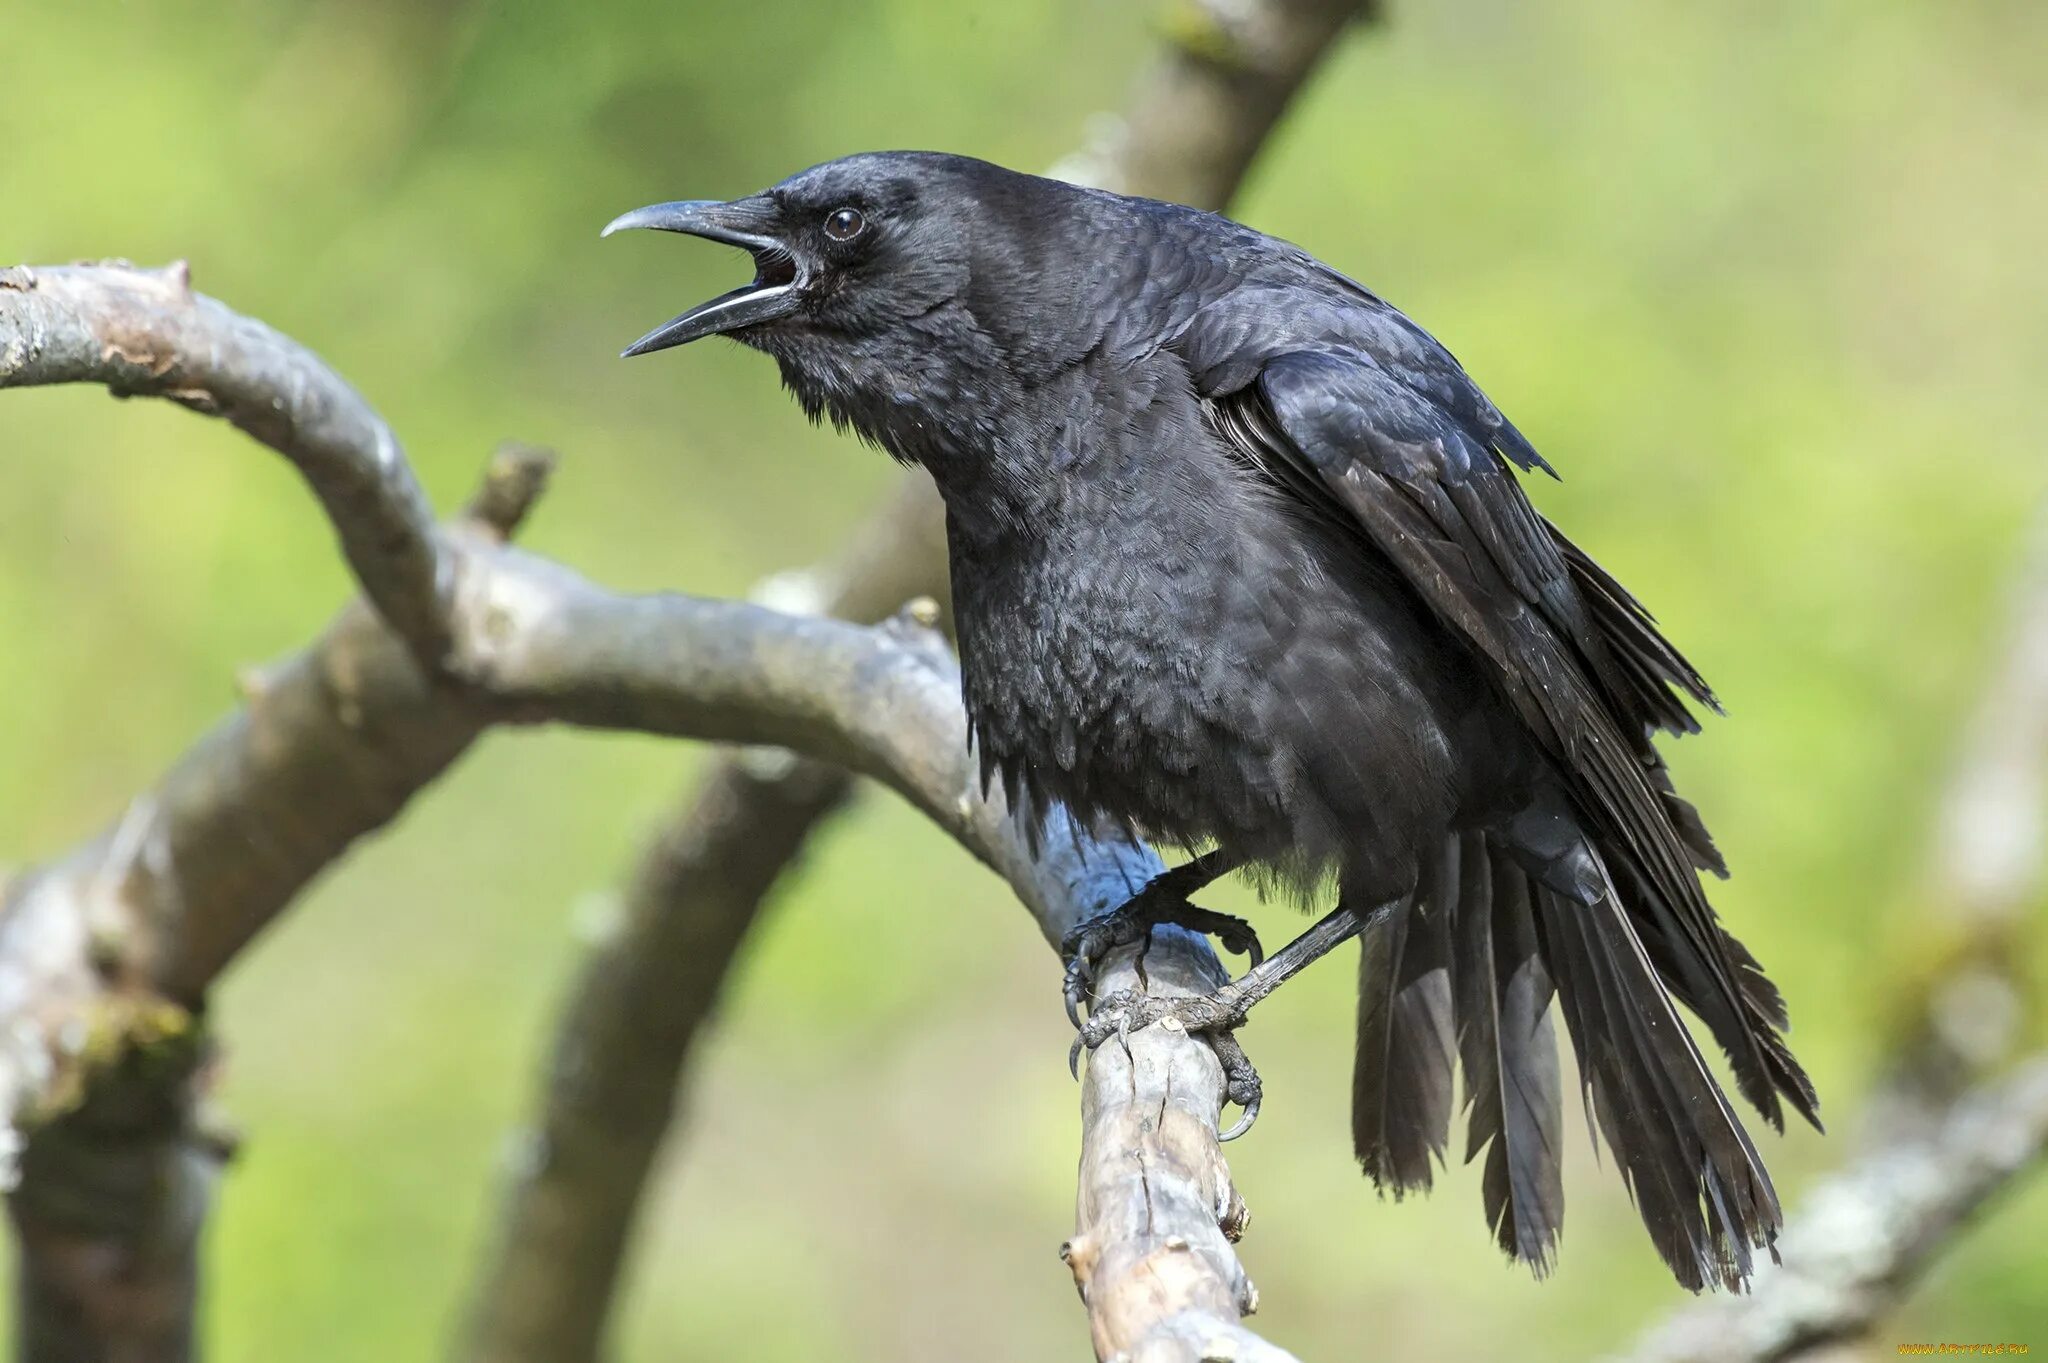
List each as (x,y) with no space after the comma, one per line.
(1215,1016)
(1132,921)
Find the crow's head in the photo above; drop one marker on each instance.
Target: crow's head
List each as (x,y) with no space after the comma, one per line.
(848,250)
(924,300)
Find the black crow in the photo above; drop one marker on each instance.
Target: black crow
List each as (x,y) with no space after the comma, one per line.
(1241,563)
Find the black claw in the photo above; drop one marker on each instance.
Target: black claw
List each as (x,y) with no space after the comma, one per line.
(1241,1083)
(1074,1056)
(1079,979)
(1244,1123)
(1082,947)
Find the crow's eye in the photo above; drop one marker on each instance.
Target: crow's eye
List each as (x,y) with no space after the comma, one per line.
(845,224)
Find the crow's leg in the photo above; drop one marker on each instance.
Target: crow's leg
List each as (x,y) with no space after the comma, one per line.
(1164,899)
(1220,1013)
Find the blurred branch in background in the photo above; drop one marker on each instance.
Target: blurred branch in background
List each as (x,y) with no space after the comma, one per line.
(1865,1235)
(611,1082)
(1223,77)
(1226,72)
(1967,1002)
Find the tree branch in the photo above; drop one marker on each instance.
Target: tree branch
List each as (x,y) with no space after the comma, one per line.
(145,333)
(1157,1212)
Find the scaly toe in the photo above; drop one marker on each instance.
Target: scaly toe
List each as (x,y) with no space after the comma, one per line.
(1117,1015)
(1241,1083)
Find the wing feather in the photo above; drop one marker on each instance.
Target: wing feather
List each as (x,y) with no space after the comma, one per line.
(1574,654)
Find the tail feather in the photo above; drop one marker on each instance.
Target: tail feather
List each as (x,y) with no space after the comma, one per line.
(1629,1116)
(1697,1181)
(1468,968)
(1401,1095)
(1509,1052)
(1593,899)
(1747,1025)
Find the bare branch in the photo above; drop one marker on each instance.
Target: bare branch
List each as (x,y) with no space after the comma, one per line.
(515,479)
(1867,1233)
(144,332)
(1157,1214)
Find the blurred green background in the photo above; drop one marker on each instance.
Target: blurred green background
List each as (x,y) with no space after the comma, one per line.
(1765,282)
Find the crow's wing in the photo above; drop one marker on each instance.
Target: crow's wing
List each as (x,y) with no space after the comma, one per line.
(1401,445)
(1394,441)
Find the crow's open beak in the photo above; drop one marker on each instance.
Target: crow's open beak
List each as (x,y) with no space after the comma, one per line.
(747,223)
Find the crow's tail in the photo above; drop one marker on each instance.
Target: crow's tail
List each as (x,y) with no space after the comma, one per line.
(1467,968)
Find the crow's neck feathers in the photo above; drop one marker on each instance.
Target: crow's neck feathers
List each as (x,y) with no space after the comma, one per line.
(995,389)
